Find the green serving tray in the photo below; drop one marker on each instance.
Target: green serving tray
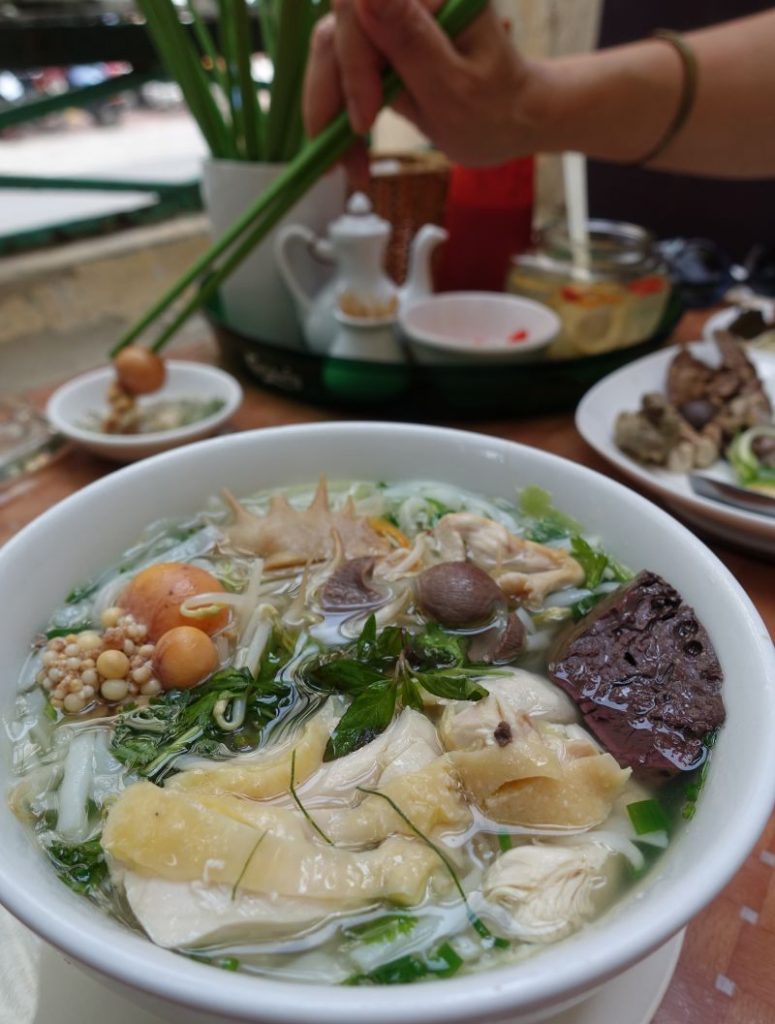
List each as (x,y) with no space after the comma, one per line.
(421,392)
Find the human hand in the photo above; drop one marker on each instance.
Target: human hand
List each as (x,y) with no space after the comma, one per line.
(470,96)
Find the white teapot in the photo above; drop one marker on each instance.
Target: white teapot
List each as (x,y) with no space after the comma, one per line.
(360,288)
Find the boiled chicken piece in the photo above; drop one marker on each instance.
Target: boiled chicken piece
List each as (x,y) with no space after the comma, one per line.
(264,774)
(523,569)
(431,799)
(286,536)
(191,914)
(541,892)
(465,725)
(528,772)
(256,847)
(407,745)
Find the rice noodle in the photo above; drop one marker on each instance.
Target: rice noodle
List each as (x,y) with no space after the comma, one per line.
(611,839)
(73,821)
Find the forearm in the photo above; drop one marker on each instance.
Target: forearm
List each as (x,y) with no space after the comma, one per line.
(616,104)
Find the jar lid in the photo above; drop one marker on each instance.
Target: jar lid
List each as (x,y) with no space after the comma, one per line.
(611,244)
(359,220)
(615,250)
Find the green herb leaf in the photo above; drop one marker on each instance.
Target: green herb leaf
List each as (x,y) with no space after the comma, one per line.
(147,739)
(81,867)
(536,503)
(390,644)
(504,841)
(367,641)
(410,694)
(647,816)
(434,647)
(370,713)
(342,675)
(592,561)
(451,684)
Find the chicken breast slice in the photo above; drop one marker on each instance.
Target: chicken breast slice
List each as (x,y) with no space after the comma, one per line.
(540,892)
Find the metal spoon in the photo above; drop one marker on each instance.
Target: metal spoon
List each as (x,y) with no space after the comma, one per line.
(731,494)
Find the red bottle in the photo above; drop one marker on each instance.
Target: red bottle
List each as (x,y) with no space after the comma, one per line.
(489,216)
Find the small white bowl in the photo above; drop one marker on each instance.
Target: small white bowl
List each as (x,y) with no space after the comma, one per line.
(466,327)
(72,403)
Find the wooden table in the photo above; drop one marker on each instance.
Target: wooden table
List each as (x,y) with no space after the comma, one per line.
(726,974)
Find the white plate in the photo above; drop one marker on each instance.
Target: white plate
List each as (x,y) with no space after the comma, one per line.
(38,985)
(722,320)
(622,390)
(74,401)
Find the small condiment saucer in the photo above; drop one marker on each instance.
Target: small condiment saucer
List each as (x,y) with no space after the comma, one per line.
(38,985)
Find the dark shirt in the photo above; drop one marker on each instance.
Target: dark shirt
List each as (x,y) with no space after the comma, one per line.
(736,214)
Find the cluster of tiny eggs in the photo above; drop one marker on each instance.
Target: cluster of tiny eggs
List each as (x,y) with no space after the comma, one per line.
(112,667)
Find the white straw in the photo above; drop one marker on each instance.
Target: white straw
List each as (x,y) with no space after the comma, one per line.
(574,172)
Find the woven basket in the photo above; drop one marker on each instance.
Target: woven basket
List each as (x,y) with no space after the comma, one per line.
(409,190)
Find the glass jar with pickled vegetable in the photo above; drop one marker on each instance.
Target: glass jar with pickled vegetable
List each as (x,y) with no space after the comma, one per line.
(610,293)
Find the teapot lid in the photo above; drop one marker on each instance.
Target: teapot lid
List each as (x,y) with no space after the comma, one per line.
(359,220)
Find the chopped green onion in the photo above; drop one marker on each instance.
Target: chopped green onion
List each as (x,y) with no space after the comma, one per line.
(648,816)
(442,963)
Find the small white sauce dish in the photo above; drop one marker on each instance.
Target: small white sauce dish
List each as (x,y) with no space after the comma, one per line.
(467,327)
(71,404)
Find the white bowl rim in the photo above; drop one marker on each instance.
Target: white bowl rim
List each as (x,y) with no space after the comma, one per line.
(227,383)
(491,994)
(544,336)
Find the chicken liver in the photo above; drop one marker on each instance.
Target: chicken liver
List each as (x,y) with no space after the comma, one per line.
(645,676)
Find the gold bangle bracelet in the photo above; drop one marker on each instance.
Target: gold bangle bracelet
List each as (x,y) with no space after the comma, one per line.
(688,91)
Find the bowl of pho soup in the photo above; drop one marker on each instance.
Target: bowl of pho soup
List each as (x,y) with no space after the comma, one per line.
(298,715)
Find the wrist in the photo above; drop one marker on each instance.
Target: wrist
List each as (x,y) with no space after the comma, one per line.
(539,109)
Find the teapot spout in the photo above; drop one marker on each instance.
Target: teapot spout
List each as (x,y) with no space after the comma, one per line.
(418,280)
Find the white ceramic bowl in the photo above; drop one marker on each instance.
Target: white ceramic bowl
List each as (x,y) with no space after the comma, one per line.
(75,539)
(75,400)
(457,327)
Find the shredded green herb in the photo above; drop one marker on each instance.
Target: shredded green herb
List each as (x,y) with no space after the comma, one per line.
(245,866)
(300,805)
(476,923)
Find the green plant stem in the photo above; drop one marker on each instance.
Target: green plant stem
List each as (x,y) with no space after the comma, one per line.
(230,45)
(182,60)
(207,45)
(251,111)
(296,188)
(262,215)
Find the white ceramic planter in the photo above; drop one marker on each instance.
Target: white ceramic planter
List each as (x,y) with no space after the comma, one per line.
(255,298)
